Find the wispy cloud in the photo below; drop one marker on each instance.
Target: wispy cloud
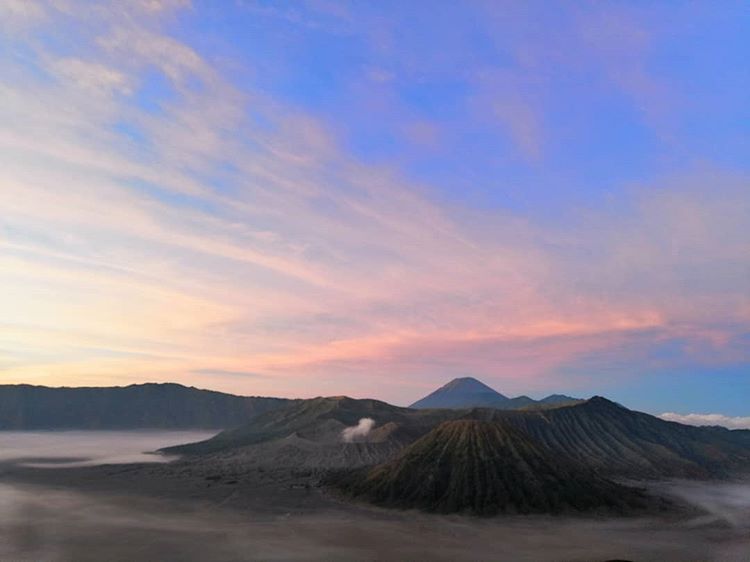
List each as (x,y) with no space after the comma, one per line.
(737,422)
(225,373)
(223,232)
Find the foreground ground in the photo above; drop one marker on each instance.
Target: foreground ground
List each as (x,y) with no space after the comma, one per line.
(189,511)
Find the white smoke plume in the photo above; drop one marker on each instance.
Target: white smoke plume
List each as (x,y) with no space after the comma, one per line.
(708,419)
(364,427)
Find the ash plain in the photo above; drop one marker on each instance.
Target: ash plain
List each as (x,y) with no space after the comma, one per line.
(89,495)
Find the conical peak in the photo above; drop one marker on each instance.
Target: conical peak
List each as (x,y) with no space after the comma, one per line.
(468,383)
(464,392)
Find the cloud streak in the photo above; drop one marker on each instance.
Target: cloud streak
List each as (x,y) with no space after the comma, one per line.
(731,422)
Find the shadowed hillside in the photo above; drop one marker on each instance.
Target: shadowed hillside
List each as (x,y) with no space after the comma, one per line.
(486,468)
(158,406)
(322,420)
(482,461)
(596,433)
(622,442)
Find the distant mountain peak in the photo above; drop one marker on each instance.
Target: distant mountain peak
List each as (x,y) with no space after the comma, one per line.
(468,392)
(601,402)
(560,400)
(468,383)
(462,392)
(559,397)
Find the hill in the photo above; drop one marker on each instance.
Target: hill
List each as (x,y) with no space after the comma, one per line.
(322,420)
(559,399)
(468,392)
(151,405)
(617,441)
(597,433)
(486,468)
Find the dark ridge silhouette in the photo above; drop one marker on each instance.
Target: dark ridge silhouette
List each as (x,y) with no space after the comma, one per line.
(138,406)
(487,468)
(559,399)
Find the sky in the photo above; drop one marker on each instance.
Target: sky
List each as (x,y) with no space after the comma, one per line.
(371,198)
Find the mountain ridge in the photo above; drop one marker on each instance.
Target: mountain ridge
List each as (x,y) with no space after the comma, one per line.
(477,460)
(136,406)
(625,443)
(322,417)
(597,433)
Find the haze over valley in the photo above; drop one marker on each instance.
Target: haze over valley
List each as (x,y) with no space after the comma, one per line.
(337,478)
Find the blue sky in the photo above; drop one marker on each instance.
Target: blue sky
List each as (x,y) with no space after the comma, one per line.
(604,94)
(371,198)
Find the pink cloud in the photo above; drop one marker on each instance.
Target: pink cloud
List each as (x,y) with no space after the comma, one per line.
(312,265)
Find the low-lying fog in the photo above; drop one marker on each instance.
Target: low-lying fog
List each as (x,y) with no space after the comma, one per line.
(41,523)
(81,448)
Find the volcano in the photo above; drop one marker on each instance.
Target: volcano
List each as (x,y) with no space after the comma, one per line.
(487,468)
(465,392)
